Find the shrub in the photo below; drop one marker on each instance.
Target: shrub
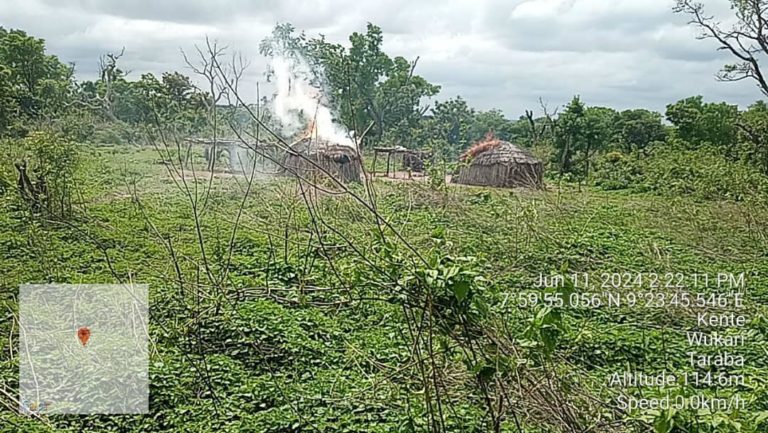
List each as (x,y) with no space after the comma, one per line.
(674,169)
(616,170)
(115,133)
(42,166)
(78,125)
(703,173)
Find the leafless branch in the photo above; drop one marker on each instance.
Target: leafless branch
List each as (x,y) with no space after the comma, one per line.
(746,39)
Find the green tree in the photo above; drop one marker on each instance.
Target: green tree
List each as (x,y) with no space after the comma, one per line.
(570,134)
(492,121)
(171,98)
(400,96)
(9,107)
(744,38)
(452,121)
(365,86)
(34,84)
(358,71)
(699,123)
(753,134)
(598,133)
(635,130)
(370,88)
(579,133)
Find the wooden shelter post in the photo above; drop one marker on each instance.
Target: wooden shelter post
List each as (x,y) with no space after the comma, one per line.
(375,155)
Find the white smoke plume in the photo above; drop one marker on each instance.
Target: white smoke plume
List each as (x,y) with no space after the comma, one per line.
(297,102)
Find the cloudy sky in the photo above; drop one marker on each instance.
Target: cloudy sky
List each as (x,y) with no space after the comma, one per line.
(502,54)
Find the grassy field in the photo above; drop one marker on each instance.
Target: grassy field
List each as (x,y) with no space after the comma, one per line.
(304,320)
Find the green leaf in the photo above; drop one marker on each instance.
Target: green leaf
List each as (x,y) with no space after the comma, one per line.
(663,423)
(461,290)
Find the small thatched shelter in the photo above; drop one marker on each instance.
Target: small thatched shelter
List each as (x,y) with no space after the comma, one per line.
(412,160)
(340,161)
(499,163)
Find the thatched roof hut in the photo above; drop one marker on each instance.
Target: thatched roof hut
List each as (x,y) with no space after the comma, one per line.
(499,163)
(340,161)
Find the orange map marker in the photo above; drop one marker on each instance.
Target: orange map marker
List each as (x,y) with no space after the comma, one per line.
(83,334)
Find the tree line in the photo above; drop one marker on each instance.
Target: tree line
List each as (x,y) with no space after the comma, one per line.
(379,97)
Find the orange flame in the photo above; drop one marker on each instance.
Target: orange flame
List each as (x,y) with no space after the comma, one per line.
(489,142)
(309,131)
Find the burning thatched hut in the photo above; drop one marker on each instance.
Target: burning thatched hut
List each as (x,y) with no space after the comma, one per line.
(494,162)
(340,161)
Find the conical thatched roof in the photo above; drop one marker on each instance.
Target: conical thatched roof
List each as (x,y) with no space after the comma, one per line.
(337,160)
(498,152)
(494,162)
(314,147)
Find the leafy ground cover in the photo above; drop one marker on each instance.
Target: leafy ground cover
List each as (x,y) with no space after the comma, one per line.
(301,321)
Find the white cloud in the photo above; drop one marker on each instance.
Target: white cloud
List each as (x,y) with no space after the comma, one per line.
(542,9)
(496,53)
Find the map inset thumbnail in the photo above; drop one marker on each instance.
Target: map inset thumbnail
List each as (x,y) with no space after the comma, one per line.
(58,373)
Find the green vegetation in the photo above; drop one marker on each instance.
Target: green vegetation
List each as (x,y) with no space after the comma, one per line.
(341,359)
(282,304)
